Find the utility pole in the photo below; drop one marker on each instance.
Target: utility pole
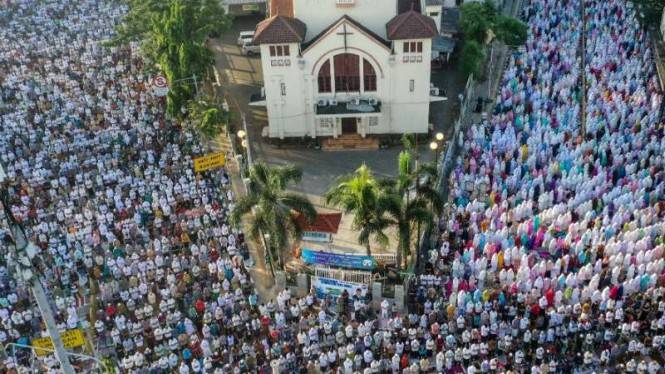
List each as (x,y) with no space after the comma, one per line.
(24,255)
(582,72)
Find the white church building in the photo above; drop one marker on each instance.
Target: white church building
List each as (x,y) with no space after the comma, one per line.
(341,67)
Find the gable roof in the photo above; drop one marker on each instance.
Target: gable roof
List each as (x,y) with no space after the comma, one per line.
(280,29)
(324,222)
(411,25)
(355,24)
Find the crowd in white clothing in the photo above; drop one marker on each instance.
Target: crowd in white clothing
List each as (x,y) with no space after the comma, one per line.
(550,258)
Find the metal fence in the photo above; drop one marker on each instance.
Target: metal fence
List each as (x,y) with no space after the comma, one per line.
(355,276)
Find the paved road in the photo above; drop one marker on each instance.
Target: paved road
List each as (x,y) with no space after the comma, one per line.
(241,77)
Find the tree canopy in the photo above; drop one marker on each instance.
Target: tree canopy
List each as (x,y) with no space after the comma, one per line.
(478,18)
(173,34)
(359,193)
(652,10)
(472,57)
(271,209)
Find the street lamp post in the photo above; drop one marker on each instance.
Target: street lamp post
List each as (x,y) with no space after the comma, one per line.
(25,253)
(437,145)
(434,146)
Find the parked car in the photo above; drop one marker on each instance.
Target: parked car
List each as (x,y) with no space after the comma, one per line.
(250,49)
(245,36)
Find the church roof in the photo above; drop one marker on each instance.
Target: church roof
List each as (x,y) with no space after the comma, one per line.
(324,222)
(280,29)
(411,25)
(353,22)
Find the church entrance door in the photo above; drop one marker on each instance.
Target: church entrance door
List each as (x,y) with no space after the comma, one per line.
(349,126)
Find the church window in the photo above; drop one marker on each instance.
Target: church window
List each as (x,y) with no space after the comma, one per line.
(347,72)
(324,78)
(369,77)
(413,47)
(279,51)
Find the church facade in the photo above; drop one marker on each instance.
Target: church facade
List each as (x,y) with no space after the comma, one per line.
(336,67)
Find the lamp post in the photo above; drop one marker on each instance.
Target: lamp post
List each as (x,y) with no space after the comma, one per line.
(243,143)
(25,253)
(434,146)
(437,145)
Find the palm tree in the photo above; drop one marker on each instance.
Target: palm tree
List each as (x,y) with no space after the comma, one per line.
(359,193)
(421,177)
(404,209)
(272,210)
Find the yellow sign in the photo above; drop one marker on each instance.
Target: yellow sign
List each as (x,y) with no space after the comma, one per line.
(70,339)
(212,161)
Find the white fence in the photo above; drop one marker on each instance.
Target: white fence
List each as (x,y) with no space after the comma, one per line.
(355,276)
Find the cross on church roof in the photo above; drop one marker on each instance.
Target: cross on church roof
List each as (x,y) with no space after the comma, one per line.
(344,33)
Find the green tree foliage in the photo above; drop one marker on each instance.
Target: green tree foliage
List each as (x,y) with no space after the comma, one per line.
(510,31)
(208,117)
(270,209)
(173,34)
(472,57)
(652,10)
(359,193)
(406,206)
(477,19)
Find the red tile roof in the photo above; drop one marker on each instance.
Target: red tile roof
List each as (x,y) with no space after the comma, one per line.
(411,25)
(281,8)
(280,29)
(324,222)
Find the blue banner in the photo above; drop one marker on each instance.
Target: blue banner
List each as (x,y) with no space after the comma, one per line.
(333,287)
(338,260)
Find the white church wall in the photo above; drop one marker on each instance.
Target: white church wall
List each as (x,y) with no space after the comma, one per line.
(318,14)
(356,43)
(285,93)
(410,94)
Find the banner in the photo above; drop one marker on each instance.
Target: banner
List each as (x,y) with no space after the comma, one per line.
(70,339)
(333,287)
(211,161)
(338,260)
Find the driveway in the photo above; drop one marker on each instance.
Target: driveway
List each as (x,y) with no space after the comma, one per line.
(240,77)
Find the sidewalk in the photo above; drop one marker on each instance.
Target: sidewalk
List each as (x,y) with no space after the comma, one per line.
(263,280)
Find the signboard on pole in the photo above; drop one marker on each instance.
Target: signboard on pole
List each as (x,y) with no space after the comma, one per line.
(160,86)
(211,161)
(70,339)
(338,260)
(334,287)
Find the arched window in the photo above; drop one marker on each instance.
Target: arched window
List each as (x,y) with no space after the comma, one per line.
(347,72)
(369,76)
(324,78)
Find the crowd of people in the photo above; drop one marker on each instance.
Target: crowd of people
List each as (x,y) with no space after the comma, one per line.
(552,251)
(550,257)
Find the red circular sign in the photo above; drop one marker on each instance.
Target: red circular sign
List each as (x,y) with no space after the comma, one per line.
(160,82)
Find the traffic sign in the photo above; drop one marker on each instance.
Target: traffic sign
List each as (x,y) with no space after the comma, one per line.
(160,85)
